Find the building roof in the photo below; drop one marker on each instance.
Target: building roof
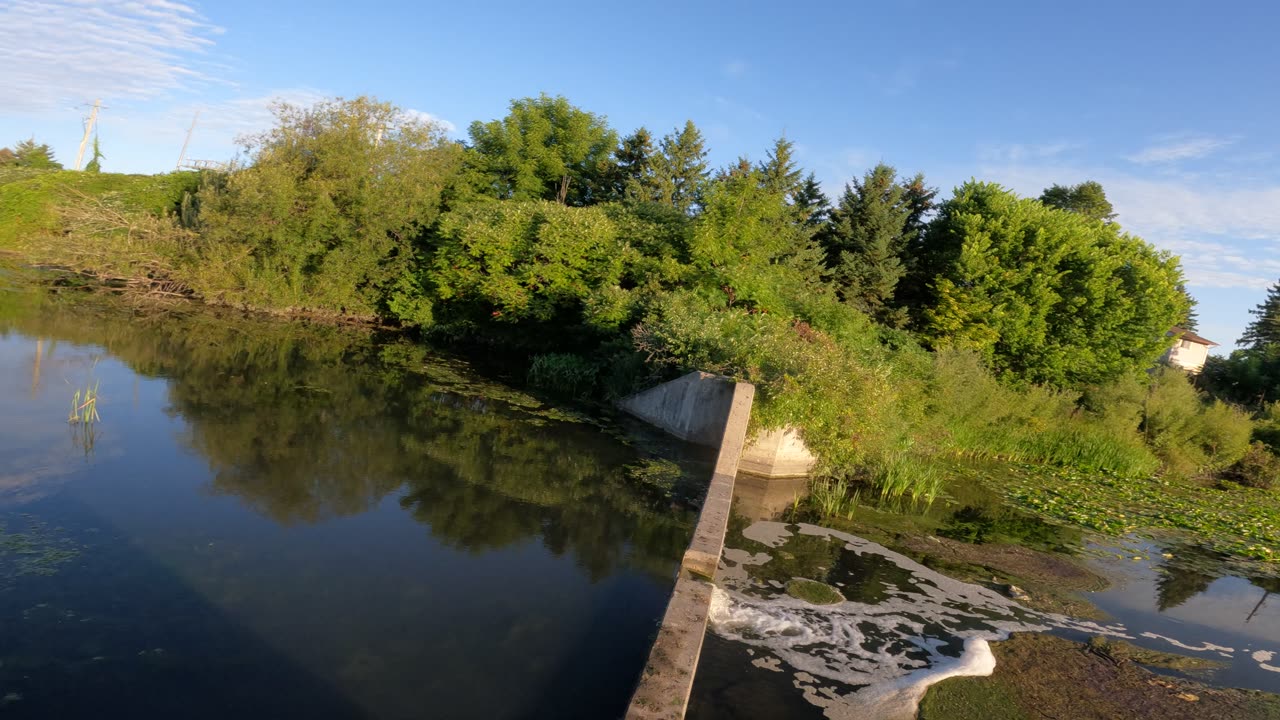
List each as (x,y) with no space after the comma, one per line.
(1186,334)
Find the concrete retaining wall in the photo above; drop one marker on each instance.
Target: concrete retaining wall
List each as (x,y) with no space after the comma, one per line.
(778,454)
(668,676)
(694,408)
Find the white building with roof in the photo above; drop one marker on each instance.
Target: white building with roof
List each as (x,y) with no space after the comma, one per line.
(1189,352)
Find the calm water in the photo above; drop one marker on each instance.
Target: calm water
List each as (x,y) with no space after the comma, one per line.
(274,522)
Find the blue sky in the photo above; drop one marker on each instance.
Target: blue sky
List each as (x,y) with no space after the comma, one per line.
(1171,105)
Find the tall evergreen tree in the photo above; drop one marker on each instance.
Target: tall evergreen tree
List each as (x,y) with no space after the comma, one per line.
(39,156)
(811,203)
(680,170)
(634,166)
(1192,320)
(1088,199)
(779,172)
(740,168)
(1264,329)
(865,240)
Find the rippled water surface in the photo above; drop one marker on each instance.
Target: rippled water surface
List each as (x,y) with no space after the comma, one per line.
(272,521)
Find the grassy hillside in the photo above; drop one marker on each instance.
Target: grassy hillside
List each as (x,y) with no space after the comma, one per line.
(33,202)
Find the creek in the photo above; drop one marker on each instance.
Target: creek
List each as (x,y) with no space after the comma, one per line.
(278,520)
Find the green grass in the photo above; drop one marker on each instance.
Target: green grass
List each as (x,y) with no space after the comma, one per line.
(29,200)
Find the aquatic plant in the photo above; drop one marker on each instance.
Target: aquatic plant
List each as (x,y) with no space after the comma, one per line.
(830,497)
(84,406)
(1239,521)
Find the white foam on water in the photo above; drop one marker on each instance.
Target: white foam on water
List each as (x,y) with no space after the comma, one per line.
(899,699)
(859,660)
(1263,658)
(1203,647)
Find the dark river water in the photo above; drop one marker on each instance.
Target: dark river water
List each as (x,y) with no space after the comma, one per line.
(273,521)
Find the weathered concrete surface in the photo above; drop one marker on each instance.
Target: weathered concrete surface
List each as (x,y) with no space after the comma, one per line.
(694,407)
(778,454)
(756,497)
(668,676)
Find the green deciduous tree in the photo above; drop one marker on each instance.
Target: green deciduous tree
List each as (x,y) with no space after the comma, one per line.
(530,261)
(1046,296)
(327,214)
(748,249)
(1264,329)
(545,149)
(1087,199)
(680,170)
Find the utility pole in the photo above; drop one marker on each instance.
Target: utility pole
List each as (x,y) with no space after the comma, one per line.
(88,128)
(183,155)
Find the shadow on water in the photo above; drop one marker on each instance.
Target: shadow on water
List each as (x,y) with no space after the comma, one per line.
(310,522)
(117,635)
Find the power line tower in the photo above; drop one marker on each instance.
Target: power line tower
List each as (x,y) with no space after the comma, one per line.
(88,128)
(183,155)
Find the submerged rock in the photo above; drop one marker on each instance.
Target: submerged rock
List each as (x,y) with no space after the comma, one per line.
(814,592)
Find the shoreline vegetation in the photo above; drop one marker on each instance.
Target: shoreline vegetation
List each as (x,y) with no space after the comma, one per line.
(899,330)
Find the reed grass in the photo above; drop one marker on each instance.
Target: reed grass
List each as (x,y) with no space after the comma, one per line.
(84,406)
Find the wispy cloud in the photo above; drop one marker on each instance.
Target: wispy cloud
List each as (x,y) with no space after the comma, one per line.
(1228,237)
(1019,152)
(68,51)
(737,108)
(422,116)
(735,68)
(1174,148)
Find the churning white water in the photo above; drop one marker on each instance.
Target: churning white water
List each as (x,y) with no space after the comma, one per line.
(875,660)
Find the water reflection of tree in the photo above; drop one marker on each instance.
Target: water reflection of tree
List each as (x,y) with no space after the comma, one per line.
(308,423)
(1190,570)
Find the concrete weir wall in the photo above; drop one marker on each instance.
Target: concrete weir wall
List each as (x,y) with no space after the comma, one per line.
(695,408)
(710,410)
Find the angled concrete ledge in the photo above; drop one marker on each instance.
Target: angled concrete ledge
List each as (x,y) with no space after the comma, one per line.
(698,405)
(778,453)
(695,407)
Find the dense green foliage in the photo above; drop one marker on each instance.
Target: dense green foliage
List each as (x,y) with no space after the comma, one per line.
(871,228)
(1044,295)
(544,149)
(326,215)
(889,335)
(1264,329)
(1087,199)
